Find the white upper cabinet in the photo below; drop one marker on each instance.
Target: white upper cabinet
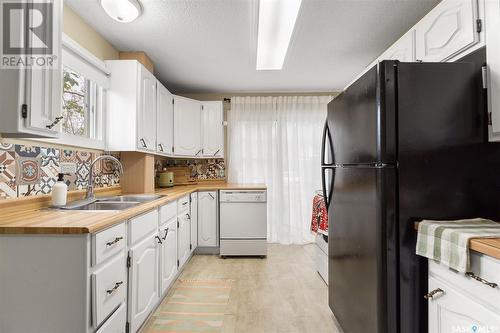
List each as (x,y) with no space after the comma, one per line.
(164,120)
(187,127)
(403,50)
(31,98)
(131,112)
(213,131)
(146,115)
(492,12)
(447,30)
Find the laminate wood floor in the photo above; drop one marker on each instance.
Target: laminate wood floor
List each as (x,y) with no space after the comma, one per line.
(282,293)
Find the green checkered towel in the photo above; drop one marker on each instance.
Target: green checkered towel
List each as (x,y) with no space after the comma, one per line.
(447,242)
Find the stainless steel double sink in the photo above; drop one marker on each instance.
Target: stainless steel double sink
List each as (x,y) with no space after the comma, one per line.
(120,202)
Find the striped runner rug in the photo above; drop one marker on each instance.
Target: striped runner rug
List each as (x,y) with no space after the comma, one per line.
(196,306)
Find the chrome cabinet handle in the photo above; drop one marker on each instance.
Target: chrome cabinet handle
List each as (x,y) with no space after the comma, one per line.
(188,216)
(166,233)
(184,203)
(143,142)
(480,279)
(115,288)
(433,293)
(161,147)
(211,196)
(55,122)
(199,151)
(113,242)
(218,150)
(159,239)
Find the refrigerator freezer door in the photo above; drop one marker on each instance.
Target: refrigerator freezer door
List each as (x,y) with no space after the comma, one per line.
(362,119)
(363,250)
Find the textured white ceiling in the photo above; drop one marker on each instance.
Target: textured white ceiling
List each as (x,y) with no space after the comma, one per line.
(210,45)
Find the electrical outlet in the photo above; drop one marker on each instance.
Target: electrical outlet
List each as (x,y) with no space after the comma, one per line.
(68,167)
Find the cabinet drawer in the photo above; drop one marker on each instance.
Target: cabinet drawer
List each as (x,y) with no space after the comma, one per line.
(482,266)
(142,225)
(109,289)
(107,243)
(116,323)
(451,310)
(183,204)
(168,212)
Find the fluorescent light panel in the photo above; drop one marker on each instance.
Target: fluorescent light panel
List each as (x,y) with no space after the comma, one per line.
(276,22)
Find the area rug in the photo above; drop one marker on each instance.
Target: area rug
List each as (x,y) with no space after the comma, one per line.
(194,306)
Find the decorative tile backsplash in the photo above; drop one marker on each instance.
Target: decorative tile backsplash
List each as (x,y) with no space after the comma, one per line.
(31,170)
(200,169)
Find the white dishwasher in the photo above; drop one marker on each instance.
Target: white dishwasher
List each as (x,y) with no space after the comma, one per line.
(243,223)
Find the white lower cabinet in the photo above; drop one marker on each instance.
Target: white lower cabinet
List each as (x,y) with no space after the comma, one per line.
(207,219)
(452,311)
(194,221)
(183,238)
(168,254)
(116,323)
(458,302)
(143,280)
(109,289)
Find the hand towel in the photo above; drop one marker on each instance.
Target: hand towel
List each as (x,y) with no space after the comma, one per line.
(447,242)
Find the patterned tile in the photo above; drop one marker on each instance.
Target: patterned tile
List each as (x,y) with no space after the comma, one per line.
(67,155)
(28,170)
(83,161)
(6,146)
(7,166)
(27,151)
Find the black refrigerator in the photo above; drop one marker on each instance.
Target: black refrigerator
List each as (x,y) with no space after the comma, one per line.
(405,142)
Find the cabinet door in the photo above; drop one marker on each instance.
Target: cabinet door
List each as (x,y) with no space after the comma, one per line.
(402,50)
(447,30)
(146,128)
(213,131)
(194,221)
(143,280)
(183,239)
(207,219)
(453,311)
(492,20)
(165,120)
(168,255)
(187,127)
(44,86)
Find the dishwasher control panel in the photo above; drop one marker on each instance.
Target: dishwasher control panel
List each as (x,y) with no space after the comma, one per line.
(243,196)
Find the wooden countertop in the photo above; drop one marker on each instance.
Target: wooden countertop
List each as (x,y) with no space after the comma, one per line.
(32,215)
(488,246)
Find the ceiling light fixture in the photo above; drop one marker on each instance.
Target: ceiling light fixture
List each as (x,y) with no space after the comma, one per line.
(276,23)
(123,11)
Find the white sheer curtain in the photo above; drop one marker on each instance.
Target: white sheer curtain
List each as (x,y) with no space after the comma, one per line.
(277,141)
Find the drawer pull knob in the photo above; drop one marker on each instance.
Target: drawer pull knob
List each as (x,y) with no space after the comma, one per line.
(115,288)
(113,242)
(433,293)
(480,279)
(166,233)
(188,216)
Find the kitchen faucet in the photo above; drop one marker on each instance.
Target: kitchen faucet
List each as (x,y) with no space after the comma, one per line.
(90,183)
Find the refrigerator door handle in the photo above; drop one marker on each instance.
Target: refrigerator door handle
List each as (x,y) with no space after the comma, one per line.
(327,196)
(326,136)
